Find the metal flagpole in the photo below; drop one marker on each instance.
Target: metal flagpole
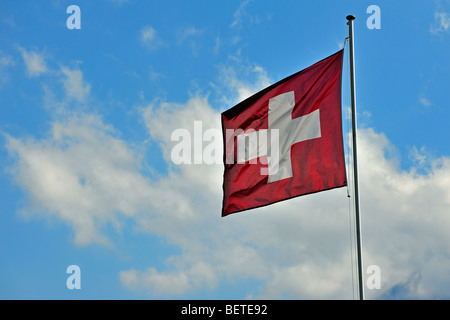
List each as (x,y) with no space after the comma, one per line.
(350,19)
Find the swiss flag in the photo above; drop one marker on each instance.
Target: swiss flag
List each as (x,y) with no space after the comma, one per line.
(286,140)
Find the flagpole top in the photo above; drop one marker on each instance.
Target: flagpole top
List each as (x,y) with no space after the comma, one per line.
(351,17)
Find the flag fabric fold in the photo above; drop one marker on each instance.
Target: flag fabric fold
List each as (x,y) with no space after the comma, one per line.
(286,140)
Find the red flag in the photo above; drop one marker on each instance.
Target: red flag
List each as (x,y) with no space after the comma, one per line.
(286,140)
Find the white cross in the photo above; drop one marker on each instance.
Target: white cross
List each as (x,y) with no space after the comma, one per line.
(284,132)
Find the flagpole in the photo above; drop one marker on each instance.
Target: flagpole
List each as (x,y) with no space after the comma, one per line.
(350,19)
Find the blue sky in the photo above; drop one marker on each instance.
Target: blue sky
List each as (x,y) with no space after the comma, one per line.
(86,117)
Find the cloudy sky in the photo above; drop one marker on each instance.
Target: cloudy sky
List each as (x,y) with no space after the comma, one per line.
(86,117)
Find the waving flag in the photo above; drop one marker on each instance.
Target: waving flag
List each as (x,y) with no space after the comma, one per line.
(286,140)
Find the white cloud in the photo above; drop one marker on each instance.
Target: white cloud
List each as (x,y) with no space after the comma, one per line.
(405,217)
(149,38)
(425,102)
(147,34)
(170,283)
(240,14)
(188,32)
(420,158)
(217,45)
(76,88)
(238,80)
(6,61)
(190,36)
(81,175)
(74,85)
(34,62)
(441,23)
